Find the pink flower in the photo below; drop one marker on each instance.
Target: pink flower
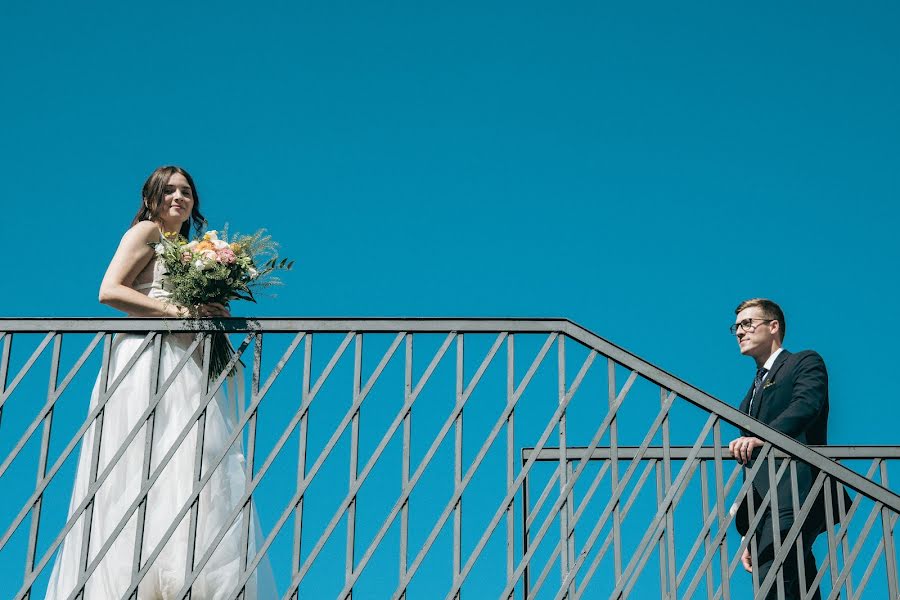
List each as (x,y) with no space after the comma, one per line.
(186,257)
(209,255)
(226,255)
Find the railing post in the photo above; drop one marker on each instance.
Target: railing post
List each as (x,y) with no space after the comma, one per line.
(404,462)
(720,512)
(890,548)
(42,458)
(147,458)
(510,467)
(457,459)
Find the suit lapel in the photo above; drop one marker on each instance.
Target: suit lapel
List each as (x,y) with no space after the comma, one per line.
(745,403)
(771,377)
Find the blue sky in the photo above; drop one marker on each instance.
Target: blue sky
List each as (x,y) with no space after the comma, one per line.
(639,168)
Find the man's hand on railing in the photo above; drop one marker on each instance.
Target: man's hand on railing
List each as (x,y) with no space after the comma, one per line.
(747,561)
(742,448)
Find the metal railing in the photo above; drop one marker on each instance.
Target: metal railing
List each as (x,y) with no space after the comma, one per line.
(702,553)
(395,458)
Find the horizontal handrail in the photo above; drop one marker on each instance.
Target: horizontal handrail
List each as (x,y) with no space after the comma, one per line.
(732,415)
(285,325)
(706,453)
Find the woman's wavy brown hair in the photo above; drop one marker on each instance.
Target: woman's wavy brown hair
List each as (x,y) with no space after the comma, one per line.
(153,193)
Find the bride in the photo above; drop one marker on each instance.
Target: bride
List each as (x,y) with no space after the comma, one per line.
(135,284)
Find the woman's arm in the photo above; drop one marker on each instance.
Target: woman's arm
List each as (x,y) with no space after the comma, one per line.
(132,256)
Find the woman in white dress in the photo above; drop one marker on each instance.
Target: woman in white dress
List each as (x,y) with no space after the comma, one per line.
(135,284)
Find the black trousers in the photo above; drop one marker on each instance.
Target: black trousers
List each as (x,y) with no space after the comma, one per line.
(766,557)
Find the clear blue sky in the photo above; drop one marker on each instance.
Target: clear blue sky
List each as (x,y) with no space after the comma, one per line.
(639,168)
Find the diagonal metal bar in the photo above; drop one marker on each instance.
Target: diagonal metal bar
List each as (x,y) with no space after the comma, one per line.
(494,431)
(400,591)
(39,489)
(743,492)
(511,492)
(214,463)
(592,489)
(847,517)
(142,494)
(335,357)
(652,432)
(648,469)
(348,417)
(276,449)
(78,364)
(791,535)
(363,475)
(670,589)
(407,490)
(419,471)
(260,392)
(25,368)
(51,401)
(673,496)
(755,518)
(706,528)
(854,553)
(6,338)
(589,494)
(616,492)
(870,568)
(545,493)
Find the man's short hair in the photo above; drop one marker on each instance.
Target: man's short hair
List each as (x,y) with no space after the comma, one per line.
(770,310)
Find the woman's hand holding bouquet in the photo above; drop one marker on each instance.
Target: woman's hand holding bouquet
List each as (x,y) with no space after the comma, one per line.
(204,275)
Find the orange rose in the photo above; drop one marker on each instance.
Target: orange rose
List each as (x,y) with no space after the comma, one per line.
(204,245)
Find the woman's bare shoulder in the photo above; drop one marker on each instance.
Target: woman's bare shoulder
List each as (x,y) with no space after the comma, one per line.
(142,233)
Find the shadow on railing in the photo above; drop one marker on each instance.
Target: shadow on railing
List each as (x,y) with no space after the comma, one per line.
(330,469)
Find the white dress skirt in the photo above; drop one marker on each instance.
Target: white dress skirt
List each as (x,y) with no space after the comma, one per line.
(171,491)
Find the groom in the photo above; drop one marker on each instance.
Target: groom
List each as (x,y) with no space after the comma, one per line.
(790,394)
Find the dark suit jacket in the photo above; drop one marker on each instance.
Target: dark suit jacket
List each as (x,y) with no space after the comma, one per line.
(794,400)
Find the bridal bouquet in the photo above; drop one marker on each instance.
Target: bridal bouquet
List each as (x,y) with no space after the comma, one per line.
(212,269)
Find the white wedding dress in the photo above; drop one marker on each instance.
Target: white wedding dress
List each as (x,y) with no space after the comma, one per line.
(170,492)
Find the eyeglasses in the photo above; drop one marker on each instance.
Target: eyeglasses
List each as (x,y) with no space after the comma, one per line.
(747,325)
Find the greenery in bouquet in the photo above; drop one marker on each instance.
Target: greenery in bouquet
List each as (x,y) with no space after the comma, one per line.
(214,269)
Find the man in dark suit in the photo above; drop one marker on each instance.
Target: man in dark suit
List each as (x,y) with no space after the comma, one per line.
(789,394)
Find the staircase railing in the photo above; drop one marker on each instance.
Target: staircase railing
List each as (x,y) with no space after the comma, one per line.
(398,458)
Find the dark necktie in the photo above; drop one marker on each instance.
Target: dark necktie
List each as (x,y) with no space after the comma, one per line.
(757,386)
